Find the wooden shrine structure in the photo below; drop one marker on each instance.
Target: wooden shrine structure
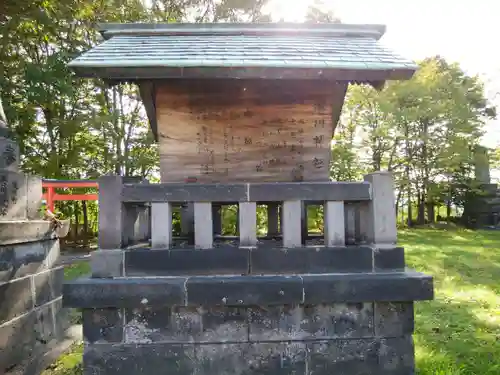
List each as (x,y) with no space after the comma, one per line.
(244,114)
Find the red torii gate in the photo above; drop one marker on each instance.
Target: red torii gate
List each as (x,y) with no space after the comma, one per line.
(51,196)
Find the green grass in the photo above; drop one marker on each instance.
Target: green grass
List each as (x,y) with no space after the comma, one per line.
(77,269)
(458,333)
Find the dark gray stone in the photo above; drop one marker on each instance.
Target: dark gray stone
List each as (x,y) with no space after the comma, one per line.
(218,261)
(112,214)
(123,292)
(138,359)
(102,325)
(356,357)
(13,200)
(186,324)
(14,232)
(16,298)
(62,317)
(391,286)
(311,260)
(309,191)
(48,285)
(27,258)
(251,359)
(244,290)
(396,356)
(311,322)
(394,319)
(190,192)
(16,340)
(389,259)
(107,263)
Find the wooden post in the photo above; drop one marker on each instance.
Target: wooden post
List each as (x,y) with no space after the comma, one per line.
(272,219)
(161,225)
(377,224)
(292,225)
(203,225)
(248,223)
(111,213)
(334,224)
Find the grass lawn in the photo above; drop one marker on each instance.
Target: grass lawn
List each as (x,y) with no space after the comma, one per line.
(456,334)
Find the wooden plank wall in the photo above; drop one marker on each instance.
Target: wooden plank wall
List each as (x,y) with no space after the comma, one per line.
(220,131)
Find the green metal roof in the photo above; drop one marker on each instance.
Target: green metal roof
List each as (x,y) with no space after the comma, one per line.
(275,51)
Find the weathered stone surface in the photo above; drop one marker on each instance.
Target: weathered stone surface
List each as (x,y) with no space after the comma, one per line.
(396,356)
(15,298)
(107,263)
(34,197)
(311,322)
(311,260)
(27,258)
(359,357)
(390,286)
(180,193)
(13,200)
(217,261)
(123,292)
(389,259)
(102,325)
(16,340)
(62,317)
(138,359)
(44,330)
(48,285)
(13,232)
(394,319)
(309,191)
(186,324)
(244,290)
(9,154)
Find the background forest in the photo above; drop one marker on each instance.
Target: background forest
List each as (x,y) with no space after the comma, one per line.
(423,130)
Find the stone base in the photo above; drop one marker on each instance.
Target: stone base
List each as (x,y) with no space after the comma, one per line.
(31,313)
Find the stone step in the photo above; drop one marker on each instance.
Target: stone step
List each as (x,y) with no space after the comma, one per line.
(233,260)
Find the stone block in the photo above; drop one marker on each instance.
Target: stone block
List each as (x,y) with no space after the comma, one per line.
(9,154)
(180,193)
(359,357)
(360,287)
(339,320)
(217,261)
(62,317)
(14,232)
(397,356)
(16,340)
(13,200)
(186,324)
(24,259)
(251,359)
(123,292)
(48,285)
(16,298)
(107,263)
(102,325)
(244,290)
(138,359)
(311,260)
(389,259)
(34,197)
(309,191)
(45,329)
(394,319)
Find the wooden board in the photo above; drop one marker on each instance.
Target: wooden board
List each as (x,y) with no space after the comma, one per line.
(245,131)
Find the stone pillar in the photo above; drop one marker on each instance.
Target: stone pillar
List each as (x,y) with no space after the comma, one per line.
(273,219)
(187,222)
(31,314)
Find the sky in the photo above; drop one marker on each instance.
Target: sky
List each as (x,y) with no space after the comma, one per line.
(463,31)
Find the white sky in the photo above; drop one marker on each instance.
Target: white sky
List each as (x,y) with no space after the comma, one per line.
(463,31)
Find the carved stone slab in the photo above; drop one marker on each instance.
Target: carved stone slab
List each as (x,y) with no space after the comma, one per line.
(13,195)
(9,154)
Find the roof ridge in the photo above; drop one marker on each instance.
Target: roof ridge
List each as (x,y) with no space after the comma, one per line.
(338,30)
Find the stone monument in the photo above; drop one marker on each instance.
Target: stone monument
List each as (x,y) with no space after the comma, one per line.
(244,115)
(31,314)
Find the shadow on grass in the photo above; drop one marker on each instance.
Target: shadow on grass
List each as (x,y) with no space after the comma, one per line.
(459,332)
